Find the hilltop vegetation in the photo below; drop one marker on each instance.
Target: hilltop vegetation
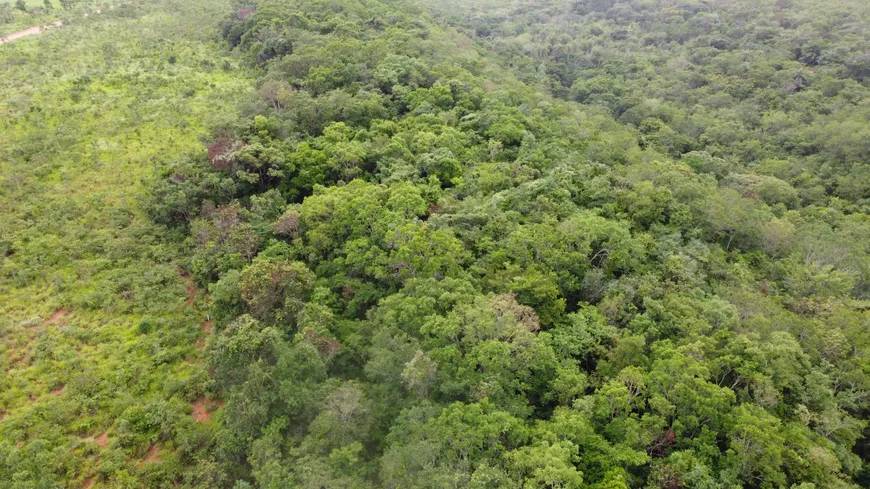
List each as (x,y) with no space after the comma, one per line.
(428,271)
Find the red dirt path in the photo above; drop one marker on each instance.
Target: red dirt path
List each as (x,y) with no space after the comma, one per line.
(58,315)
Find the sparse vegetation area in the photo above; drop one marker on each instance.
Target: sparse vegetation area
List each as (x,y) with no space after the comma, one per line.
(98,340)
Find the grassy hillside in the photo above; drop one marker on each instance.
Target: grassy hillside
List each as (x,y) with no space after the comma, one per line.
(98,328)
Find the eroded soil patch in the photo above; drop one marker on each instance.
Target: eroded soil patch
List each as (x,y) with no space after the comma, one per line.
(153,455)
(58,316)
(203,409)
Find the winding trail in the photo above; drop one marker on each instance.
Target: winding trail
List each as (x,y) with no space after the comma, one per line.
(32,31)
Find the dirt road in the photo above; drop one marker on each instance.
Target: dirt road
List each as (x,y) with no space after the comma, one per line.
(38,29)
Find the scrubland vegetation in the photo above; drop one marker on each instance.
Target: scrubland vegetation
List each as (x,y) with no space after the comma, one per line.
(98,344)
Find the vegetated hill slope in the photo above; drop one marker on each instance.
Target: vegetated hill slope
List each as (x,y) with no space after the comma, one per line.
(98,355)
(426,272)
(775,88)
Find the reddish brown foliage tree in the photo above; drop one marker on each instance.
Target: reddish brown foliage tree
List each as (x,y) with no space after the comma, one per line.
(220,153)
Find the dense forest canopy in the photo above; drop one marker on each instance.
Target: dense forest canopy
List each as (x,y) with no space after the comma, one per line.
(429,271)
(776,88)
(527,244)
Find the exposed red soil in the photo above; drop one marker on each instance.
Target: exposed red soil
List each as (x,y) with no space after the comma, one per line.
(58,390)
(153,455)
(17,358)
(29,32)
(89,483)
(200,412)
(57,316)
(203,409)
(102,440)
(191,290)
(207,328)
(22,361)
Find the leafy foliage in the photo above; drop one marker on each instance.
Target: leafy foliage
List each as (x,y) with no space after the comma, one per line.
(573,244)
(457,280)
